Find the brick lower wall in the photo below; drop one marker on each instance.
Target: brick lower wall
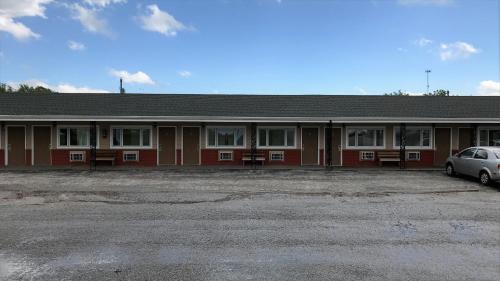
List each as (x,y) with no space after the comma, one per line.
(211,157)
(28,157)
(350,158)
(147,157)
(2,157)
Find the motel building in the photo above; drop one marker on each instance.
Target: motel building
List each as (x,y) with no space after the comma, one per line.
(39,130)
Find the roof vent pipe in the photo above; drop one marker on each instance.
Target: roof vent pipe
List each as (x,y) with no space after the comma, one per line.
(122,90)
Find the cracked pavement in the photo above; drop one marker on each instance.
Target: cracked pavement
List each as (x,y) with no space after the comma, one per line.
(247,225)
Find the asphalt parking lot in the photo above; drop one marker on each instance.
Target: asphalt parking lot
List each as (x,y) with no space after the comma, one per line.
(247,225)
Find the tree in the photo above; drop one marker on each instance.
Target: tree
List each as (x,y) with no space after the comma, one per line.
(439,93)
(24,89)
(398,93)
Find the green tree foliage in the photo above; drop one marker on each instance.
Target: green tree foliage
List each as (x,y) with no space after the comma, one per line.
(398,93)
(24,89)
(439,93)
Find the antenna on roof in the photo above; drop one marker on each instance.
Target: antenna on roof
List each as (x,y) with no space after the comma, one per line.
(122,90)
(427,72)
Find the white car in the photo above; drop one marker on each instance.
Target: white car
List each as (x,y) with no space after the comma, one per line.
(481,162)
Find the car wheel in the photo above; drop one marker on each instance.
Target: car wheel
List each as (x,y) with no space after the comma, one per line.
(484,178)
(450,171)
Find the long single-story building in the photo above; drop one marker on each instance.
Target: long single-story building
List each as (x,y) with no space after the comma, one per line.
(289,130)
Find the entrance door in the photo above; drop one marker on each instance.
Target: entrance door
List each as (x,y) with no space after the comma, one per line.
(41,145)
(16,146)
(310,146)
(337,147)
(190,146)
(442,137)
(464,138)
(166,145)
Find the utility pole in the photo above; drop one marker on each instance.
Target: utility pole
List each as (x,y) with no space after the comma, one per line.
(427,72)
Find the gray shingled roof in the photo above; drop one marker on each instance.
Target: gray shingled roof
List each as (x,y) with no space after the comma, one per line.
(151,105)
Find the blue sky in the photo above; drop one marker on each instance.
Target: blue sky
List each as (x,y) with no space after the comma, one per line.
(245,46)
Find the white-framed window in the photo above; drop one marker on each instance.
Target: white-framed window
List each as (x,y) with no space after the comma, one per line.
(131,137)
(232,137)
(365,137)
(367,155)
(74,136)
(489,136)
(276,155)
(416,137)
(413,155)
(130,156)
(276,137)
(225,155)
(77,156)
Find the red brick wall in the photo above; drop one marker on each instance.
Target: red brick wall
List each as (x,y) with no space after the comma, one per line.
(2,158)
(60,157)
(350,158)
(211,157)
(147,157)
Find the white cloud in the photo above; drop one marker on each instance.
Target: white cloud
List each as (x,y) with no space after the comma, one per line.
(76,46)
(10,10)
(103,3)
(90,19)
(185,73)
(161,21)
(136,78)
(422,42)
(426,2)
(457,50)
(60,88)
(489,88)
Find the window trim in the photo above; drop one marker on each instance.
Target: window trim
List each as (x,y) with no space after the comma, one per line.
(431,137)
(77,152)
(111,128)
(267,137)
(69,126)
(365,147)
(130,152)
(208,146)
(225,151)
(487,129)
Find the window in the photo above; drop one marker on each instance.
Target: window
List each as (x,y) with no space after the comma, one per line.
(225,137)
(415,137)
(468,153)
(276,137)
(413,155)
(367,155)
(76,156)
(131,137)
(365,137)
(276,155)
(130,156)
(74,137)
(225,155)
(481,154)
(497,153)
(489,137)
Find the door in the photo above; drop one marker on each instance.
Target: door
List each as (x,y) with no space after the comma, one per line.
(190,146)
(166,145)
(16,146)
(310,146)
(41,145)
(462,161)
(478,162)
(442,146)
(464,138)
